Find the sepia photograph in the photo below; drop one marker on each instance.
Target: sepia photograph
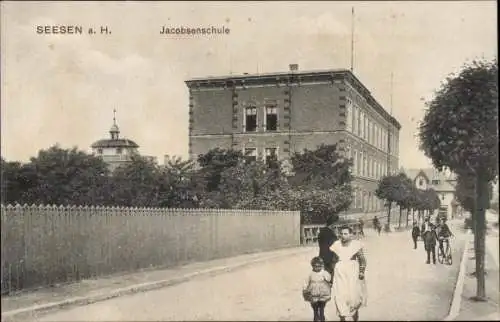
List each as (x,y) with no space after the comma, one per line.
(249,161)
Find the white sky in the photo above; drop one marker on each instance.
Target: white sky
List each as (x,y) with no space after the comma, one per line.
(63,88)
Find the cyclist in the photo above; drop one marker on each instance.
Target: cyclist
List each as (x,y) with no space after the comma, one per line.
(444,233)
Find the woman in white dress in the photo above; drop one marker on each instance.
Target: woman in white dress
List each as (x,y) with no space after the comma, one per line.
(349,288)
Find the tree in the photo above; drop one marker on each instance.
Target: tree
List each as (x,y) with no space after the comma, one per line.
(321,183)
(15,182)
(137,183)
(177,188)
(431,198)
(388,190)
(227,179)
(63,177)
(460,131)
(214,162)
(403,194)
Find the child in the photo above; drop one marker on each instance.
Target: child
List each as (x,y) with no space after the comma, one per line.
(318,288)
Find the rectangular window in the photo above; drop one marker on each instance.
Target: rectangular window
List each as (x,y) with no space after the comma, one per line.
(384,141)
(369,136)
(250,119)
(365,165)
(377,139)
(251,154)
(355,162)
(354,198)
(366,128)
(372,133)
(348,117)
(360,120)
(360,163)
(271,118)
(354,120)
(363,123)
(271,156)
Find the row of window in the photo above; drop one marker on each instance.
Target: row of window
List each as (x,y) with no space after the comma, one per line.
(362,125)
(367,201)
(271,154)
(366,165)
(118,151)
(250,119)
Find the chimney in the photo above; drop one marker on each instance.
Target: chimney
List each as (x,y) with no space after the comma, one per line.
(293,67)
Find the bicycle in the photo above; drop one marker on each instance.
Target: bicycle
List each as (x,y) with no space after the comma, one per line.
(446,257)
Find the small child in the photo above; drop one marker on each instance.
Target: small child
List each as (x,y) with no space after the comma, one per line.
(318,288)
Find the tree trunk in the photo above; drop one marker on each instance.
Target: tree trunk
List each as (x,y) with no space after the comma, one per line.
(388,227)
(407,216)
(400,215)
(480,235)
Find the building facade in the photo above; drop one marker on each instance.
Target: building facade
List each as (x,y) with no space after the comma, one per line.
(443,182)
(276,115)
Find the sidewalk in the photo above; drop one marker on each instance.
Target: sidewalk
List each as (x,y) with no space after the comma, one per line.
(90,291)
(481,311)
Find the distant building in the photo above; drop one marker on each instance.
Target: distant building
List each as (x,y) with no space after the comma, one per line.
(443,183)
(116,151)
(274,115)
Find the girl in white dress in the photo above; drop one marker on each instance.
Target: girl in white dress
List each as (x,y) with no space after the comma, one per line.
(349,288)
(317,289)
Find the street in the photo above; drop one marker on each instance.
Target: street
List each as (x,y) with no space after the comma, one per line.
(399,283)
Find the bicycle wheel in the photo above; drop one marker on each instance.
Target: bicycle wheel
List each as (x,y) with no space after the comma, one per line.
(449,259)
(440,256)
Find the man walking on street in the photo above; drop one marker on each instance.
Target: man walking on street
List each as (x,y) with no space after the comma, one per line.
(361,225)
(376,225)
(429,236)
(415,232)
(326,238)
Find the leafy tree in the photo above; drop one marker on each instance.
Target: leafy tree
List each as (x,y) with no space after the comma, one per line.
(227,179)
(388,190)
(321,183)
(137,183)
(322,168)
(62,176)
(460,131)
(16,182)
(432,201)
(213,163)
(177,187)
(403,194)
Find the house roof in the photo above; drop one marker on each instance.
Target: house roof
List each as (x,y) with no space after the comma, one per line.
(115,143)
(446,182)
(430,173)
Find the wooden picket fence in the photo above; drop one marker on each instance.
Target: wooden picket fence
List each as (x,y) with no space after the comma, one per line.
(43,244)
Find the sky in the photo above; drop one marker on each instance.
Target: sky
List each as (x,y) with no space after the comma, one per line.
(63,88)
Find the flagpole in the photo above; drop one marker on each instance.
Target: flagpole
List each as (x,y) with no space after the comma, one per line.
(352,39)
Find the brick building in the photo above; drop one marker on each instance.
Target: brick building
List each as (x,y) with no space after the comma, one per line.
(275,115)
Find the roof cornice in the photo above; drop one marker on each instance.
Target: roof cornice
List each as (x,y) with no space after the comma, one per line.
(291,78)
